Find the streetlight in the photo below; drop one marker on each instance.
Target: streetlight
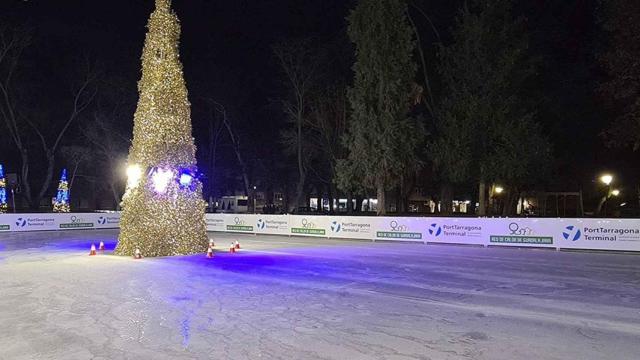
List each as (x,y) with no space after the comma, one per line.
(606,179)
(255,211)
(499,189)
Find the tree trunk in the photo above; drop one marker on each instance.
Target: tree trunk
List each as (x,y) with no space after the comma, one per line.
(381,196)
(299,191)
(446,199)
(600,205)
(35,205)
(359,201)
(116,196)
(24,155)
(482,198)
(506,205)
(330,191)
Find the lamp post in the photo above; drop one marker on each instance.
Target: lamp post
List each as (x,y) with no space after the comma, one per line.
(255,210)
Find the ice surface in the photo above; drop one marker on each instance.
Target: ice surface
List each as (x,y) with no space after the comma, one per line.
(298,298)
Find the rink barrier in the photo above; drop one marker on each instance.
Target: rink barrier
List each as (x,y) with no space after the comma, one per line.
(558,233)
(48,222)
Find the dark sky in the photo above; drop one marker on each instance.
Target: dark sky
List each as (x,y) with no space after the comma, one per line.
(226,51)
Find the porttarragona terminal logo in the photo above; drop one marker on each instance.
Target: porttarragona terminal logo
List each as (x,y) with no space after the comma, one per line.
(308,228)
(261,224)
(336,227)
(102,220)
(572,233)
(239,225)
(606,232)
(398,231)
(435,230)
(21,222)
(519,234)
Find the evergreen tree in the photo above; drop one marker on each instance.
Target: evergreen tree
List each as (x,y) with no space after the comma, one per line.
(382,139)
(61,203)
(486,129)
(163,210)
(3,191)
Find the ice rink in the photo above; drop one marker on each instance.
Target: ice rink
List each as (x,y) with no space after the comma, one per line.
(297,298)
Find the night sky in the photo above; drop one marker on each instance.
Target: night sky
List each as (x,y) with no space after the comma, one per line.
(226,51)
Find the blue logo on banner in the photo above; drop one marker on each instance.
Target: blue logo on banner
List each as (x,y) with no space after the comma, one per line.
(102,220)
(21,222)
(572,233)
(435,230)
(261,224)
(336,226)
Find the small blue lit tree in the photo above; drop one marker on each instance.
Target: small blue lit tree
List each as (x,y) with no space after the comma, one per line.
(3,191)
(61,203)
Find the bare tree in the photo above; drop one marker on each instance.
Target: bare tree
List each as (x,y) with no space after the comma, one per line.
(109,143)
(216,127)
(75,156)
(50,133)
(237,148)
(328,123)
(299,66)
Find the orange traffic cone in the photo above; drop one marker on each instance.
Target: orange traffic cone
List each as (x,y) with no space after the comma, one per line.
(211,244)
(232,249)
(93,250)
(210,253)
(237,245)
(101,247)
(137,254)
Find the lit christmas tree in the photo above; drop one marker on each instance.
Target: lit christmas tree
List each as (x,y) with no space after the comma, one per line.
(3,191)
(163,209)
(61,203)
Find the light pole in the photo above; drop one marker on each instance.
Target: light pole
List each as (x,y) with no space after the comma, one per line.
(255,210)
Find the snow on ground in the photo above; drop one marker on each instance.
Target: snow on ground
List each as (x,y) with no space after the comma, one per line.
(298,298)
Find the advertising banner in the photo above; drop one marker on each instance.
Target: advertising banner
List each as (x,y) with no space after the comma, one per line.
(596,234)
(272,224)
(107,220)
(215,222)
(399,228)
(66,221)
(520,232)
(309,225)
(351,227)
(243,223)
(455,231)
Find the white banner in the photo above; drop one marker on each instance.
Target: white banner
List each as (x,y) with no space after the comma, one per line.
(67,221)
(399,228)
(301,225)
(272,224)
(351,227)
(596,234)
(455,230)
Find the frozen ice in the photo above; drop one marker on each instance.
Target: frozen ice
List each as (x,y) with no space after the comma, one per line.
(300,298)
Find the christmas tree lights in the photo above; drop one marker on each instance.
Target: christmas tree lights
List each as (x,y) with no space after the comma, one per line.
(3,191)
(61,203)
(163,209)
